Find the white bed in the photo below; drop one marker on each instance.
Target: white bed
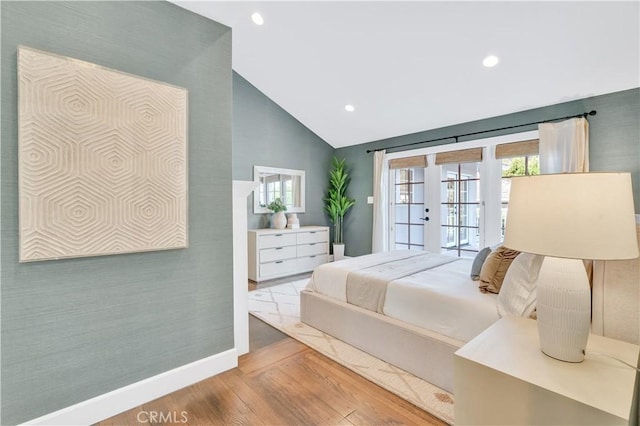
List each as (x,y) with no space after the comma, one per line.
(428,315)
(442,299)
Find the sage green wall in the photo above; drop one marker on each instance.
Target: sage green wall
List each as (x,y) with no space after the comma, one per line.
(77,328)
(266,135)
(614,145)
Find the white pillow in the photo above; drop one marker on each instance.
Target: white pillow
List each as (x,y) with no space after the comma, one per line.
(518,293)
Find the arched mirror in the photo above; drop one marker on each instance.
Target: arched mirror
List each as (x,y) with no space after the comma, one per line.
(286,184)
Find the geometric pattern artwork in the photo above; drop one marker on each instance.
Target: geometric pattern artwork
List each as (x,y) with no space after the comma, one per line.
(102,160)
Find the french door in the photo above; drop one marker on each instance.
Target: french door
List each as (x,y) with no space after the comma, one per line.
(436,208)
(460,206)
(409,208)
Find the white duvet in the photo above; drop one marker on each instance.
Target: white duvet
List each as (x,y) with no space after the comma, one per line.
(443,299)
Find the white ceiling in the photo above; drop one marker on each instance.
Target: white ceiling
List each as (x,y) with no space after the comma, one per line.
(414,66)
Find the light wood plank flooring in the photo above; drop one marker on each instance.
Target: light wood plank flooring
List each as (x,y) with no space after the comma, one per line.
(279,382)
(285,383)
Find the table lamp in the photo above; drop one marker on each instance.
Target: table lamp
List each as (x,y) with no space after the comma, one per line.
(566,218)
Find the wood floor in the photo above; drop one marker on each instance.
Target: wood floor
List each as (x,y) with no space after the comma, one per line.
(279,382)
(285,383)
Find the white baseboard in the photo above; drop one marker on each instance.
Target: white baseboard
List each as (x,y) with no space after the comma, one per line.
(109,404)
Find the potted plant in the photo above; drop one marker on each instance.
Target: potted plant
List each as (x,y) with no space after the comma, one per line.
(337,204)
(278,220)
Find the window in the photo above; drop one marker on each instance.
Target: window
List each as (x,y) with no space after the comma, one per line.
(527,165)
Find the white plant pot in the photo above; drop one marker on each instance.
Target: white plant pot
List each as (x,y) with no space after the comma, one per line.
(338,252)
(279,220)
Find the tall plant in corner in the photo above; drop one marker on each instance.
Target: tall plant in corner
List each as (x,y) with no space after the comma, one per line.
(337,204)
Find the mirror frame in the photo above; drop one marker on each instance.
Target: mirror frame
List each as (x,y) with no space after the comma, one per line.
(257,208)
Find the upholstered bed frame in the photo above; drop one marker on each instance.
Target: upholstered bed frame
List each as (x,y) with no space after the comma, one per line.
(429,355)
(616,299)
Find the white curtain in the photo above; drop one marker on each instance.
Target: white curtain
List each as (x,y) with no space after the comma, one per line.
(380,177)
(564,146)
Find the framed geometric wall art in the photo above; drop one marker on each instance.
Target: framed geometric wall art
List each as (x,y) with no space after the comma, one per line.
(102,160)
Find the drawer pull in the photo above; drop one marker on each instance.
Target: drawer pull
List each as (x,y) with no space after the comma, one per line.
(313,256)
(312,232)
(278,235)
(312,244)
(279,248)
(280,261)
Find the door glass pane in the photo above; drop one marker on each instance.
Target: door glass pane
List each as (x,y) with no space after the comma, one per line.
(417,175)
(402,194)
(417,193)
(460,208)
(416,233)
(402,176)
(402,234)
(449,236)
(417,214)
(409,208)
(402,213)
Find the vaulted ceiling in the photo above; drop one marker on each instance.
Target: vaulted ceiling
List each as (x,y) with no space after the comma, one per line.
(413,66)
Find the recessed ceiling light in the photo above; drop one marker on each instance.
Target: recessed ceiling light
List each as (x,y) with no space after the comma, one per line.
(490,61)
(349,108)
(257,19)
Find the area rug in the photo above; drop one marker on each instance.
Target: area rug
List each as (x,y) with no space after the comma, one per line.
(279,306)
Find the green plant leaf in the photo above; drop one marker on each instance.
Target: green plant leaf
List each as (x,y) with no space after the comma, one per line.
(277,206)
(337,204)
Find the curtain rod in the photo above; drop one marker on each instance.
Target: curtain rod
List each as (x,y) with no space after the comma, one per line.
(584,115)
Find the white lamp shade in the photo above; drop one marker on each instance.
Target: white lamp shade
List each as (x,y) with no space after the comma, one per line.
(573,215)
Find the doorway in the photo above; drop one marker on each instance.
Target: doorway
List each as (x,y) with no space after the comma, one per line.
(436,207)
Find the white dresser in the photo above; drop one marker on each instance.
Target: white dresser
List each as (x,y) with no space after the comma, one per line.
(277,253)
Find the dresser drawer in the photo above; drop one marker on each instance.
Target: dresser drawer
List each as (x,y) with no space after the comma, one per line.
(313,237)
(277,253)
(277,240)
(312,248)
(280,267)
(309,263)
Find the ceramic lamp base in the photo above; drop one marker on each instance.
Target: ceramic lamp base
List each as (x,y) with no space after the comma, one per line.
(563,308)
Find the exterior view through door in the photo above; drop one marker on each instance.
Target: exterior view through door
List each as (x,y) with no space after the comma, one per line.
(455,202)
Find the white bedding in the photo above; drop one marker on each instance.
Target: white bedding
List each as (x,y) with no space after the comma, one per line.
(443,299)
(330,279)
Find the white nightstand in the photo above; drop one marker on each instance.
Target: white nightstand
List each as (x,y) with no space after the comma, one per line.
(502,377)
